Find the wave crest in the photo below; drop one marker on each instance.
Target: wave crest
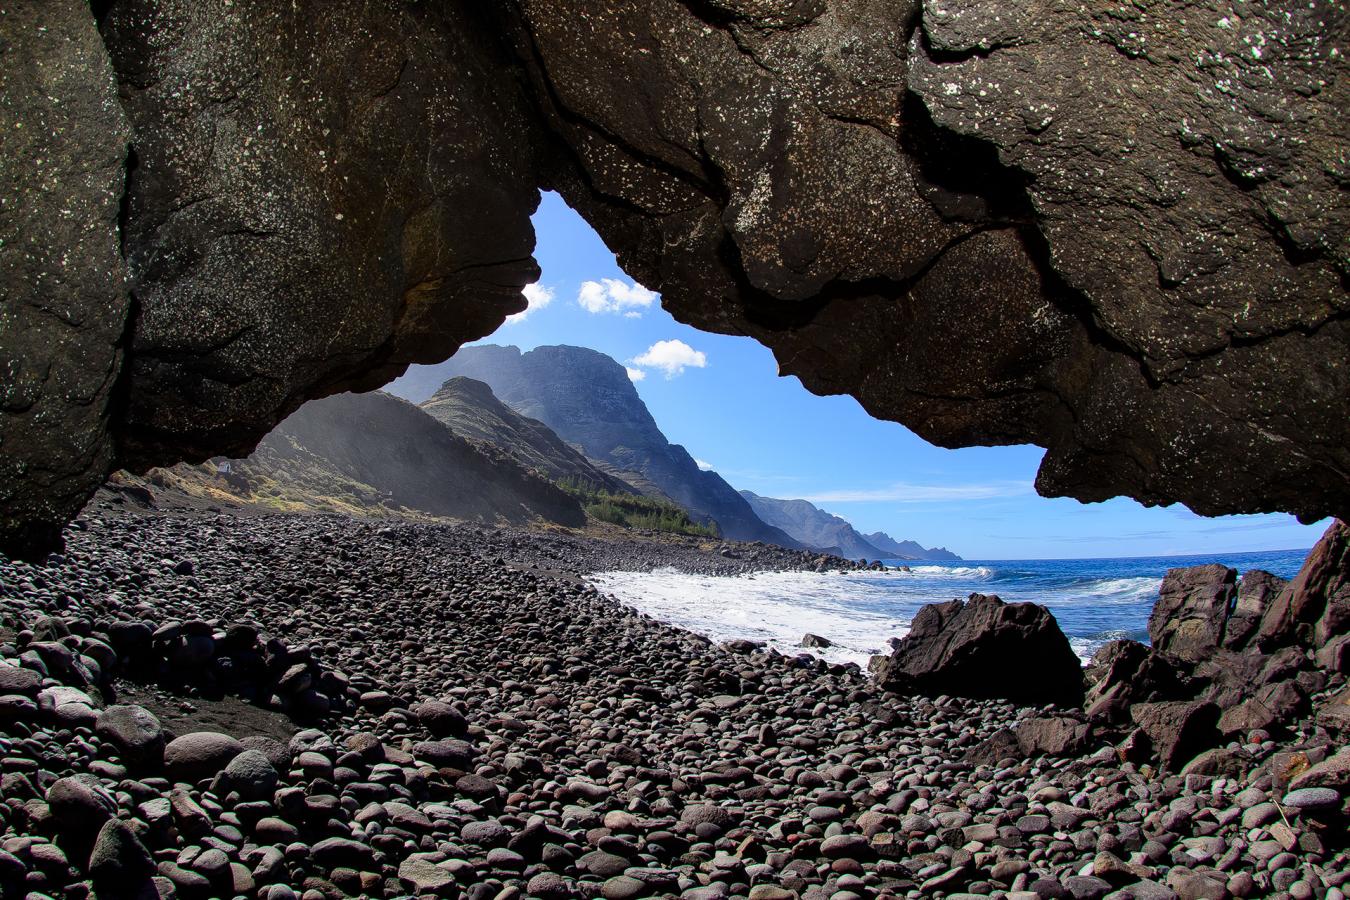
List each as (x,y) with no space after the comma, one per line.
(982,573)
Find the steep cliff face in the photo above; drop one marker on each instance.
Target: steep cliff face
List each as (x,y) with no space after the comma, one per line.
(471,411)
(1119,234)
(587,399)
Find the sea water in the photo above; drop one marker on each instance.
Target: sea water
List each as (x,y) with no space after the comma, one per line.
(1094,600)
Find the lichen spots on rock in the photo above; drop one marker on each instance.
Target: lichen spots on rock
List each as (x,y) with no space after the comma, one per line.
(328,160)
(63,148)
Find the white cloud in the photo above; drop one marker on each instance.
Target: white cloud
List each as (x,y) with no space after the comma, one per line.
(634,374)
(672,357)
(537,296)
(902,492)
(610,295)
(703,464)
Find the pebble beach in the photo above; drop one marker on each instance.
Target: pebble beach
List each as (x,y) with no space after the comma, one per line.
(285,706)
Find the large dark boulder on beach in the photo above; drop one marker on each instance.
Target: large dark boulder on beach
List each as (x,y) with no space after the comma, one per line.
(1056,736)
(1189,618)
(1178,729)
(134,731)
(983,647)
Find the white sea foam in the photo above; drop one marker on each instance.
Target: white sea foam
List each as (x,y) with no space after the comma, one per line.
(860,611)
(969,572)
(1124,590)
(777,607)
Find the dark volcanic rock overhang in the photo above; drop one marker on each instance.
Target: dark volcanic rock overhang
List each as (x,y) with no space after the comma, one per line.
(1118,233)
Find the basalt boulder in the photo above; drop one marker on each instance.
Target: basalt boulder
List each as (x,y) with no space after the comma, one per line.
(1125,672)
(983,647)
(1178,730)
(1055,736)
(1191,613)
(1256,591)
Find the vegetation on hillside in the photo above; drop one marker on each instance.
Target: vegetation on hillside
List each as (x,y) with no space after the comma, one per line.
(635,510)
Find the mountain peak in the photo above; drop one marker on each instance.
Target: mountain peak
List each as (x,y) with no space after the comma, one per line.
(587,398)
(470,409)
(464,386)
(817,528)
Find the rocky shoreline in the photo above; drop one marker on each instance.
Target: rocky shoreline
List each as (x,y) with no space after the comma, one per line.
(288,706)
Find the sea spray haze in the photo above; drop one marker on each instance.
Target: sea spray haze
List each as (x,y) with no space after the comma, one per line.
(1095,600)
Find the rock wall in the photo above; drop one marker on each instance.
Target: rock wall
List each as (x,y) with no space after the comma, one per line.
(1118,234)
(63,297)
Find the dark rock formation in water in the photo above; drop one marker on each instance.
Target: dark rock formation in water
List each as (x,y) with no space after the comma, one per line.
(1263,652)
(1118,234)
(1209,678)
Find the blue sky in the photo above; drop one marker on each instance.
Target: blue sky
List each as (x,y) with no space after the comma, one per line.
(721,398)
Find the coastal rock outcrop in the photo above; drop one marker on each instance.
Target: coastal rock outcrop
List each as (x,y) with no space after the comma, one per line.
(1124,673)
(1191,614)
(983,647)
(1314,609)
(1200,685)
(926,206)
(1258,654)
(1256,591)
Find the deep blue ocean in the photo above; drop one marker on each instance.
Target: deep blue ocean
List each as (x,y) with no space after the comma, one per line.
(1094,600)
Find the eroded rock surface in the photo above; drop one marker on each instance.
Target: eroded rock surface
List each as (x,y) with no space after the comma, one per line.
(1116,234)
(63,305)
(1182,163)
(1119,234)
(323,193)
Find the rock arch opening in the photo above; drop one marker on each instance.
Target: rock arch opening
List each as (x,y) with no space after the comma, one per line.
(322,197)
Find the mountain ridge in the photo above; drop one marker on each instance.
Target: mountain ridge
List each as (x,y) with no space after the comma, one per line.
(908,549)
(587,399)
(819,529)
(399,458)
(812,526)
(470,409)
